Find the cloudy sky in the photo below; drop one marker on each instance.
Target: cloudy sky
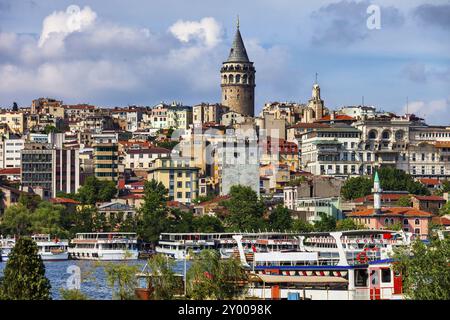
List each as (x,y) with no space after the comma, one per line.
(116,52)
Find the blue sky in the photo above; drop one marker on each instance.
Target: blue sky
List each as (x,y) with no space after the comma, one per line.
(115,52)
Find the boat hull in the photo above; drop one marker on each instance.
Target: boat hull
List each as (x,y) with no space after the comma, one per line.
(103,256)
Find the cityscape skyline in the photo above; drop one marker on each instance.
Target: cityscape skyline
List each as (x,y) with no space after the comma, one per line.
(111,59)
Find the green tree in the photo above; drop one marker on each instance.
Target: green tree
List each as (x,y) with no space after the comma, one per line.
(302,226)
(210,277)
(72,294)
(297,181)
(47,219)
(404,201)
(245,209)
(356,187)
(163,280)
(208,223)
(49,129)
(280,219)
(167,144)
(154,211)
(393,179)
(95,190)
(425,270)
(17,220)
(121,278)
(24,274)
(445,210)
(83,220)
(325,224)
(31,201)
(397,226)
(348,224)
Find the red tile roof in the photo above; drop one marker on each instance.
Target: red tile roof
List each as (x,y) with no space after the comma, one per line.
(215,200)
(429,181)
(442,144)
(148,151)
(9,171)
(309,125)
(429,198)
(63,201)
(338,117)
(393,211)
(384,197)
(441,220)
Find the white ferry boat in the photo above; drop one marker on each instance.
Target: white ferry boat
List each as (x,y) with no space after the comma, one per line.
(48,249)
(6,245)
(51,250)
(329,268)
(110,246)
(176,245)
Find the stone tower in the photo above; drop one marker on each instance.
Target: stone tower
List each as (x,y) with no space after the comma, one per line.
(238,79)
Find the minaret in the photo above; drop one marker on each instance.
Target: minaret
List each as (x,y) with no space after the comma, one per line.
(238,78)
(377,194)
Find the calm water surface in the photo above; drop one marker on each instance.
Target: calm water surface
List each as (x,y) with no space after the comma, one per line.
(92,273)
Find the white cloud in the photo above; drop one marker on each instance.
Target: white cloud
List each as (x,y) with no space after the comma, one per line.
(105,63)
(207,30)
(62,23)
(435,111)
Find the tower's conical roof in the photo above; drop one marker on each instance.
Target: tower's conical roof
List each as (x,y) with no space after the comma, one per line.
(377,179)
(237,51)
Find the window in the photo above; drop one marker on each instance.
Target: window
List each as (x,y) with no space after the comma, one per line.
(179,195)
(417,231)
(361,278)
(385,275)
(417,222)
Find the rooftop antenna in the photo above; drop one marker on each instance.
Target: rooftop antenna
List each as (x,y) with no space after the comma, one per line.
(363,101)
(316,77)
(407,105)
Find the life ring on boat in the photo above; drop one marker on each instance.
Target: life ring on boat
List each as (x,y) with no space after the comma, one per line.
(362,257)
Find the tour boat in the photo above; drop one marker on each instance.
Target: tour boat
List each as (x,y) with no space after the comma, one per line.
(177,245)
(6,245)
(51,250)
(111,246)
(329,267)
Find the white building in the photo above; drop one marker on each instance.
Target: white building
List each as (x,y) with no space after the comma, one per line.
(143,158)
(335,151)
(10,152)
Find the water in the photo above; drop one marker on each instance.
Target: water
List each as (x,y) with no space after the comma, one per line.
(93,277)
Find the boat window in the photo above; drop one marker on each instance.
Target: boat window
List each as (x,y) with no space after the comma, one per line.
(386,275)
(361,278)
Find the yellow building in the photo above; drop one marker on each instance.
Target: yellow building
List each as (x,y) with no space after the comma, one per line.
(14,121)
(179,176)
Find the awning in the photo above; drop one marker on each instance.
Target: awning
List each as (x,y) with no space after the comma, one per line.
(313,280)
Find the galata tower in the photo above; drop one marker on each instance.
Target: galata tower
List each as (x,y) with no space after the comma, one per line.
(238,79)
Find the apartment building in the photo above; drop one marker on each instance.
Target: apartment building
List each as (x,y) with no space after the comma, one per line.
(49,169)
(15,121)
(179,176)
(204,113)
(144,158)
(179,117)
(10,149)
(106,156)
(335,151)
